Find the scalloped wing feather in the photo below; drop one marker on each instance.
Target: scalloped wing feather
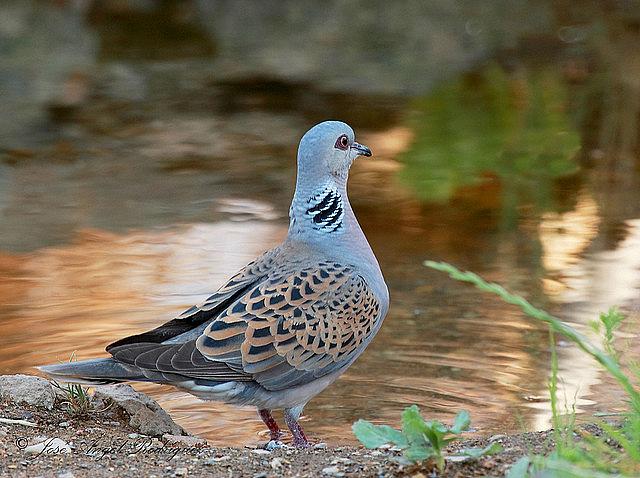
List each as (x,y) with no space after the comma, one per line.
(295,327)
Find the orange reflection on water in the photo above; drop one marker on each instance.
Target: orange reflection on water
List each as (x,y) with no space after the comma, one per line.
(82,296)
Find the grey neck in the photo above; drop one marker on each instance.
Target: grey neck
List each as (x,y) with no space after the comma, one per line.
(321,218)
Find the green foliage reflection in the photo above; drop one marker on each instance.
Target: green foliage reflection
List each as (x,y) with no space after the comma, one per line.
(512,126)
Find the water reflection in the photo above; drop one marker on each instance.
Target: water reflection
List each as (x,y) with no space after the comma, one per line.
(136,177)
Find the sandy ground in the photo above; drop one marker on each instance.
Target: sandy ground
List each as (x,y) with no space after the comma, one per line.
(104,444)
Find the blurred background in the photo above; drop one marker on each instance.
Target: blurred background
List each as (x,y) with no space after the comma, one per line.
(147,151)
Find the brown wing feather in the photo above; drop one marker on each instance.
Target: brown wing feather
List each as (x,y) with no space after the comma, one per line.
(292,328)
(209,308)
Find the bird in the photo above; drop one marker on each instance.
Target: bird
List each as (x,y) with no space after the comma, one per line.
(284,327)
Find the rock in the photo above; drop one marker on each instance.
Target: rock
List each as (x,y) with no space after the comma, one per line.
(145,414)
(181,472)
(26,415)
(457,458)
(217,459)
(496,438)
(320,446)
(332,471)
(276,463)
(27,389)
(49,446)
(66,474)
(260,451)
(186,441)
(274,445)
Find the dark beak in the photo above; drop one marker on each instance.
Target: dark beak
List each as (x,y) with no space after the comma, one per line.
(361,149)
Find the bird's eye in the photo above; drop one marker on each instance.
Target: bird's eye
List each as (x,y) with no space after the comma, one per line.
(342,142)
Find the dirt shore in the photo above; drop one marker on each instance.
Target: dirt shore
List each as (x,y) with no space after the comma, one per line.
(104,443)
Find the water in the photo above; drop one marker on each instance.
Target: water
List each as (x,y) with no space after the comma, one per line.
(131,189)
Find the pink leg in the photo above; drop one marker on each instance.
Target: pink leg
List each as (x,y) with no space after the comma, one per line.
(270,422)
(291,418)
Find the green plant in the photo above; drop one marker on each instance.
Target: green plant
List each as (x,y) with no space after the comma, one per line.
(420,439)
(617,451)
(557,325)
(76,397)
(606,325)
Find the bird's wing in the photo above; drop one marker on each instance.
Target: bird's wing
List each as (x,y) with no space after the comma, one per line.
(292,328)
(207,310)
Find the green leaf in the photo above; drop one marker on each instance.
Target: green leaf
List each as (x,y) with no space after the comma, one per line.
(435,432)
(461,422)
(373,436)
(414,427)
(491,449)
(519,468)
(418,453)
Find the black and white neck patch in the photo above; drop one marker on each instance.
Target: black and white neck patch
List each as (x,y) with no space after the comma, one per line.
(326,210)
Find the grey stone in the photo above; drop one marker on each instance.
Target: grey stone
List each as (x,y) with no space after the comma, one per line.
(217,459)
(184,441)
(260,451)
(332,471)
(50,446)
(145,414)
(27,389)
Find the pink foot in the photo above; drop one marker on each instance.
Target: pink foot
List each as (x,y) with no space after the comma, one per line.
(274,430)
(299,438)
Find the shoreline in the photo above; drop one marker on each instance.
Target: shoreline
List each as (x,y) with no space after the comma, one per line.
(125,433)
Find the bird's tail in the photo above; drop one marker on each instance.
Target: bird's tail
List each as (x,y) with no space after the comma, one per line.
(93,371)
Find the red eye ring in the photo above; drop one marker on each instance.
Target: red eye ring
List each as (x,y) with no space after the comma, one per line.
(342,142)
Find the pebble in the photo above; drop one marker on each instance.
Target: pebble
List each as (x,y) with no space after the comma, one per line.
(260,451)
(320,446)
(181,472)
(332,471)
(276,463)
(274,445)
(262,474)
(63,424)
(496,438)
(457,458)
(49,446)
(184,440)
(217,459)
(66,474)
(133,436)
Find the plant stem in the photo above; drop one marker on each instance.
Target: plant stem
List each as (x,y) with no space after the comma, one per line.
(556,324)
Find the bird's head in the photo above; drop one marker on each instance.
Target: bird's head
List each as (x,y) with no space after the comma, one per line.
(329,148)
